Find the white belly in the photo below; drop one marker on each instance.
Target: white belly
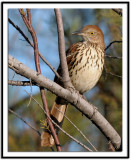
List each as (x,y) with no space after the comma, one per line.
(86,80)
(87,73)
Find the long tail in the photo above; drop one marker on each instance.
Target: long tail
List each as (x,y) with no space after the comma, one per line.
(57,114)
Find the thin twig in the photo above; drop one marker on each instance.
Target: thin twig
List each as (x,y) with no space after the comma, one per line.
(27,21)
(52,68)
(10,110)
(13,76)
(23,15)
(60,127)
(112,43)
(21,83)
(77,129)
(113,74)
(20,31)
(108,56)
(32,45)
(31,93)
(61,43)
(28,15)
(118,11)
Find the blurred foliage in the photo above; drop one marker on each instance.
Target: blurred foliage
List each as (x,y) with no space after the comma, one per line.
(107,95)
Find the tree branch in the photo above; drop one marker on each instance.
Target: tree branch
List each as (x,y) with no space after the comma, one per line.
(118,11)
(21,83)
(65,74)
(27,21)
(113,74)
(108,56)
(32,45)
(87,148)
(72,97)
(77,129)
(112,43)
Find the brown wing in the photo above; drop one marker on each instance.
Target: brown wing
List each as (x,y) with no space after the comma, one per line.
(71,54)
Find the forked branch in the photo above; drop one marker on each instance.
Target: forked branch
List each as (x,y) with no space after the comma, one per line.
(27,21)
(72,97)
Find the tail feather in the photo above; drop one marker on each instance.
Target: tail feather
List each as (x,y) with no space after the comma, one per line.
(58,111)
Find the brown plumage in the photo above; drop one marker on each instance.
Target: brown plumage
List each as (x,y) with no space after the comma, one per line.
(85,64)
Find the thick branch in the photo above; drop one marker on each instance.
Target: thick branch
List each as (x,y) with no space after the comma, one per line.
(61,41)
(72,97)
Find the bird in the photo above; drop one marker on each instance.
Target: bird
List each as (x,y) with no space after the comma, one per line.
(85,60)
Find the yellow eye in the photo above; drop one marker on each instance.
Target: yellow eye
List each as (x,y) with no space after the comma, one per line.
(92,33)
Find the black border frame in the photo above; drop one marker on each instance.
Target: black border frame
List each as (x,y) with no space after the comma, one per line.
(128,74)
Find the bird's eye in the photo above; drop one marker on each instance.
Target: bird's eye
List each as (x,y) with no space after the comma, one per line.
(92,33)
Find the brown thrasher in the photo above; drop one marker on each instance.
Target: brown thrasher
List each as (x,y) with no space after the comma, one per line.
(85,64)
